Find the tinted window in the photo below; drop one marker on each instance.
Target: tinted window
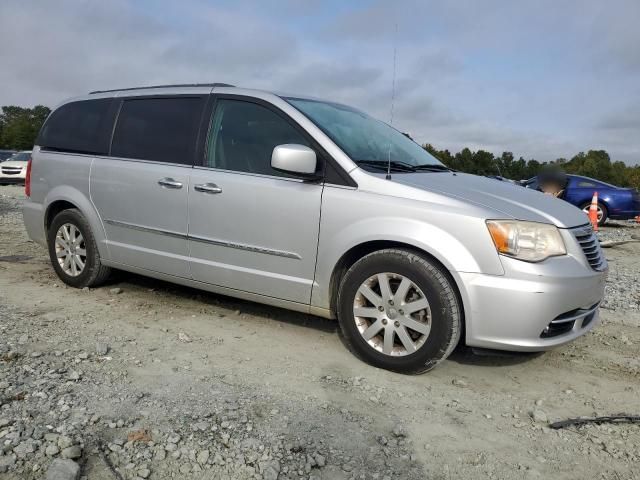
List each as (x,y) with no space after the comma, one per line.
(243,136)
(159,129)
(80,127)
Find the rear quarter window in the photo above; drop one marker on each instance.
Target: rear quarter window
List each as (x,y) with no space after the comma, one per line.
(78,127)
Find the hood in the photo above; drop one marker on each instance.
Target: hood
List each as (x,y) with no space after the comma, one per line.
(14,163)
(509,201)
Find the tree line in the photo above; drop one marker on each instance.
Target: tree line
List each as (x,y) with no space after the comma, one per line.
(595,164)
(19,128)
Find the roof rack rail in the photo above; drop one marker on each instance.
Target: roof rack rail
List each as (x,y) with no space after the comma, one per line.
(164,86)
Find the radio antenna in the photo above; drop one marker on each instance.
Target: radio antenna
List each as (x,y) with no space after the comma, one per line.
(393,97)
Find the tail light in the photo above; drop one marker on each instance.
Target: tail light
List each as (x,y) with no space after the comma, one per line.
(27,180)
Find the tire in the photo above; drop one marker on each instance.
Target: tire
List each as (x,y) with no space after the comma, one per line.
(603,208)
(93,273)
(441,319)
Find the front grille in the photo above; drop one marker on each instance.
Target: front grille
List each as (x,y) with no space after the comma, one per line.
(11,170)
(590,246)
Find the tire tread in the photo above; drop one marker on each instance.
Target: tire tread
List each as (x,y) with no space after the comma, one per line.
(98,273)
(449,294)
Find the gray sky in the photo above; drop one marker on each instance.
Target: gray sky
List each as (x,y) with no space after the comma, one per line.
(543,79)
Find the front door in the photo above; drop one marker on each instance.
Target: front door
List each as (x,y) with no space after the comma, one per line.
(141,191)
(252,228)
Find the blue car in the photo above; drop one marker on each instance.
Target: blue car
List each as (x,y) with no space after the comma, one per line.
(616,203)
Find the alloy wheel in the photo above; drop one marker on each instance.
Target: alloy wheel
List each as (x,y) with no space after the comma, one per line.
(392,314)
(600,212)
(71,251)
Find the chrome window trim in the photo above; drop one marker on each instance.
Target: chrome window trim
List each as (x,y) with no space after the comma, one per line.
(140,160)
(251,174)
(122,159)
(199,167)
(210,241)
(44,150)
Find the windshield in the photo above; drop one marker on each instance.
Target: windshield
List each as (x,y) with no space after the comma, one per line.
(20,156)
(362,137)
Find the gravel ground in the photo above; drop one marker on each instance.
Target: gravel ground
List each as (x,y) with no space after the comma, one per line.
(617,230)
(143,379)
(622,292)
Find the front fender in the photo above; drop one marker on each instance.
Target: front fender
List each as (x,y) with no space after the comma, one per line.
(459,242)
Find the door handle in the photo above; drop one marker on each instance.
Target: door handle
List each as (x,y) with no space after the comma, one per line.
(207,188)
(169,183)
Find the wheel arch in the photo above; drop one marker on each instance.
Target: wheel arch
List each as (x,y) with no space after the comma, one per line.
(64,198)
(54,209)
(360,250)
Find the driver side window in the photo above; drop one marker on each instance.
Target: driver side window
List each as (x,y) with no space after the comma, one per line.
(243,135)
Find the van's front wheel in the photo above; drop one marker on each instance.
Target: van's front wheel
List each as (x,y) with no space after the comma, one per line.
(73,251)
(399,311)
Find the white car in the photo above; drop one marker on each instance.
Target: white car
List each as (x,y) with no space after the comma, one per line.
(14,169)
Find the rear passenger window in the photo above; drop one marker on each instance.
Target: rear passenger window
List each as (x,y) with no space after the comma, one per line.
(78,127)
(243,136)
(158,129)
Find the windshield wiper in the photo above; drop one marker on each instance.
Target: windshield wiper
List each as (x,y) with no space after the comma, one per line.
(396,165)
(432,168)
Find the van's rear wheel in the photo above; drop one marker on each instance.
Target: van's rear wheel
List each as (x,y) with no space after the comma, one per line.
(73,251)
(399,311)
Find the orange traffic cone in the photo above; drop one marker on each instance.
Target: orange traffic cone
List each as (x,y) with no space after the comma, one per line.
(593,211)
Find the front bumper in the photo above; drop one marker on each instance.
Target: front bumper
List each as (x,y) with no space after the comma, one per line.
(11,180)
(533,307)
(12,174)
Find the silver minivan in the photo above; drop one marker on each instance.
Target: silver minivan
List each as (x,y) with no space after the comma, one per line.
(313,206)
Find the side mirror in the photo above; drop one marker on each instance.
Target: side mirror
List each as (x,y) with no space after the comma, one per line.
(294,159)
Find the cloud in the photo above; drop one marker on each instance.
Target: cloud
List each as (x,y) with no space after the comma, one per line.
(615,36)
(625,119)
(542,79)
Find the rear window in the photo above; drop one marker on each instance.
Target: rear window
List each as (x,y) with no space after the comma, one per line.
(78,127)
(158,129)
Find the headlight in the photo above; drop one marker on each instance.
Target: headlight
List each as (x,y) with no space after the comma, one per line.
(528,241)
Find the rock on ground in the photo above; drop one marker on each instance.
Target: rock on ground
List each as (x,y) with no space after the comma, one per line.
(63,470)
